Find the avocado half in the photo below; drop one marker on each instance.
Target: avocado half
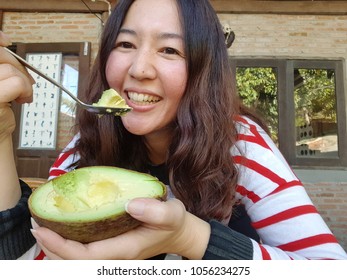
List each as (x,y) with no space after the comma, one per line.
(88,204)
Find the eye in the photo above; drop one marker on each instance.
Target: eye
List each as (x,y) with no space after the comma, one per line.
(125,45)
(170,51)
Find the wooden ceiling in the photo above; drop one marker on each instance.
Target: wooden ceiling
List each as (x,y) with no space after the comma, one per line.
(281,6)
(54,6)
(221,6)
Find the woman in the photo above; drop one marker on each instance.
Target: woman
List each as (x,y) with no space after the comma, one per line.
(169,61)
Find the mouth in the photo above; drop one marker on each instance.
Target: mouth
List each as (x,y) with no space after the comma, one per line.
(142,99)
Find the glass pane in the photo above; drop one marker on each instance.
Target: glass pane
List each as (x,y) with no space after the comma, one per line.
(315,113)
(67,113)
(39,119)
(257,87)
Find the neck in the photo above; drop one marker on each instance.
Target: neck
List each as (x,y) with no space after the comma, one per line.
(158,144)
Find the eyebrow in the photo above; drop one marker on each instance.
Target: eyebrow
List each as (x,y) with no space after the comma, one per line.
(127,31)
(163,35)
(170,36)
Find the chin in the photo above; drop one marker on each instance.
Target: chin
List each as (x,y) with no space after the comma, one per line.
(135,126)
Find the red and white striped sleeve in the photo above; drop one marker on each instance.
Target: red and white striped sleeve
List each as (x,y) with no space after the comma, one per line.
(276,201)
(64,160)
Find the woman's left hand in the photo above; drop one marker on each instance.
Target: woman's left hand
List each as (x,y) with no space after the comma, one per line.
(166,228)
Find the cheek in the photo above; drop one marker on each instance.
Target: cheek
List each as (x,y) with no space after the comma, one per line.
(114,73)
(176,82)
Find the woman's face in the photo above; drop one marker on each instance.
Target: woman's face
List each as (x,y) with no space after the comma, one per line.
(147,66)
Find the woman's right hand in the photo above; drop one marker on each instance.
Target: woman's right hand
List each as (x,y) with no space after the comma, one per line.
(15,84)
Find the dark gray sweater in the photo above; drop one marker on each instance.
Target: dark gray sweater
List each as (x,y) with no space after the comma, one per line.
(227,244)
(15,235)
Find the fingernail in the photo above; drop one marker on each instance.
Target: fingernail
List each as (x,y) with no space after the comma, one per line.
(135,207)
(33,223)
(37,237)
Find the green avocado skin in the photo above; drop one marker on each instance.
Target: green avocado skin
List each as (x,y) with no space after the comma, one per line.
(86,232)
(96,229)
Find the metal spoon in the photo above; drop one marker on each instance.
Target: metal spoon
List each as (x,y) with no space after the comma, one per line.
(117,111)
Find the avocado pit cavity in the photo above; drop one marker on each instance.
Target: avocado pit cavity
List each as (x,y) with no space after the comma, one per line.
(101,191)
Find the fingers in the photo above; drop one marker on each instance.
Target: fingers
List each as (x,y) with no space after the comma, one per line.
(15,81)
(56,247)
(4,39)
(7,58)
(15,84)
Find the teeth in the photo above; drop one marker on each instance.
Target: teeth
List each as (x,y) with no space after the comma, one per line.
(142,98)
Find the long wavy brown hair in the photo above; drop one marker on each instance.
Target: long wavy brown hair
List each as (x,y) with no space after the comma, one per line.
(201,170)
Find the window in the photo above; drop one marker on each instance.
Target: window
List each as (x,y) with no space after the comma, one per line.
(303,102)
(51,115)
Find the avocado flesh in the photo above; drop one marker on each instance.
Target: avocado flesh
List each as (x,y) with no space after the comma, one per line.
(88,204)
(111,98)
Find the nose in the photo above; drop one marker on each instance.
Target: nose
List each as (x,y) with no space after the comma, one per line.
(142,66)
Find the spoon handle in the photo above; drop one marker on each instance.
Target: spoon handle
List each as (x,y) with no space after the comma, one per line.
(38,72)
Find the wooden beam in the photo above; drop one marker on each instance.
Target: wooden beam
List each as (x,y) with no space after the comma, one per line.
(327,7)
(75,6)
(280,7)
(1,19)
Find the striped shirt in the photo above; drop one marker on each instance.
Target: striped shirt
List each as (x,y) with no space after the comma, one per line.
(280,209)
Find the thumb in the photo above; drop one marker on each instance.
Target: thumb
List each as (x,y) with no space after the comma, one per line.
(155,212)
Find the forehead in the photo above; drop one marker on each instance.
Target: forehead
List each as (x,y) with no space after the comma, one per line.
(151,14)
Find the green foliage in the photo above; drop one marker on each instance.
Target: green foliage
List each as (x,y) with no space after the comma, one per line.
(257,88)
(314,94)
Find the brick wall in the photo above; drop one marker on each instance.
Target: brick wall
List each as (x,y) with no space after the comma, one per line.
(53,27)
(288,35)
(259,35)
(331,201)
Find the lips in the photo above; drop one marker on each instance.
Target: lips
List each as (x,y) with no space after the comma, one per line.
(142,99)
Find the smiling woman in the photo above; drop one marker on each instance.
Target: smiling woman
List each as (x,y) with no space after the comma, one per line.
(227,182)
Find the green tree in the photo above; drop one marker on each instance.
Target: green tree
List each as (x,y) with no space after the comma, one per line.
(315,95)
(257,88)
